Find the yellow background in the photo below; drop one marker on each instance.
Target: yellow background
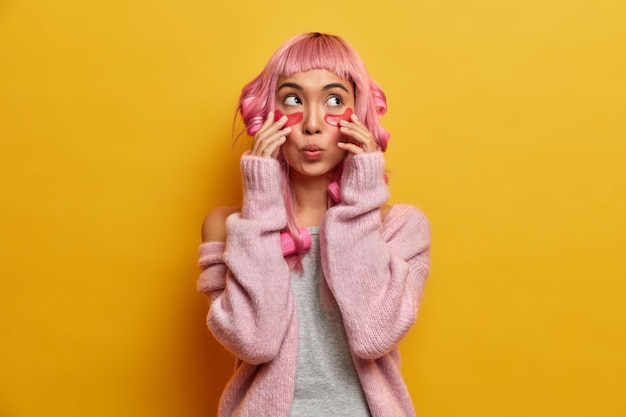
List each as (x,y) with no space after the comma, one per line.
(508,130)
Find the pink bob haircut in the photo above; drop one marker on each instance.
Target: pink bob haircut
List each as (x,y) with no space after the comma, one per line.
(311,51)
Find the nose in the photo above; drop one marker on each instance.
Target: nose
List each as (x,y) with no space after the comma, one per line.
(313,119)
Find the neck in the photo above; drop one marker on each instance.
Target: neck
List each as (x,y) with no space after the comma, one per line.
(311,199)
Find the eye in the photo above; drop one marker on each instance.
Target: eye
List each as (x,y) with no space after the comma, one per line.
(292,100)
(334,101)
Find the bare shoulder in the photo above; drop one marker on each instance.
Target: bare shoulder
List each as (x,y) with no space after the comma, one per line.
(214,224)
(384,209)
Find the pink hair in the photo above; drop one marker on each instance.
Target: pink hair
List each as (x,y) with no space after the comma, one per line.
(302,53)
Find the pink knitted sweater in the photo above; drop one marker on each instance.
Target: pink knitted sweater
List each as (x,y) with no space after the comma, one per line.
(376,271)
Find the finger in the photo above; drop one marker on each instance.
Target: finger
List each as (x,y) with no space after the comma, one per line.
(266,145)
(271,151)
(268,133)
(276,151)
(269,125)
(359,135)
(272,126)
(350,147)
(268,121)
(255,140)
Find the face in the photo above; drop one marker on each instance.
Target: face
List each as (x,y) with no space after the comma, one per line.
(322,98)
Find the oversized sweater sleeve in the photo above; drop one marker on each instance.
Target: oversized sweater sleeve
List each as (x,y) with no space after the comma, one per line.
(375,271)
(247,278)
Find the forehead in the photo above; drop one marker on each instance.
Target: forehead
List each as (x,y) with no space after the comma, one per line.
(317,79)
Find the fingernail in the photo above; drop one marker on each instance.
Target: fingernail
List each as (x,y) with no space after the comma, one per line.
(355,117)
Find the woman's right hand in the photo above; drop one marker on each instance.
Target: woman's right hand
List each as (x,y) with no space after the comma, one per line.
(271,135)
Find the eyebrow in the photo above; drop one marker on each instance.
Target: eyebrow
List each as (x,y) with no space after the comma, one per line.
(300,88)
(335,85)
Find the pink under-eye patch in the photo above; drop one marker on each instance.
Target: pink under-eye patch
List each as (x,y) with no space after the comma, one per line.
(292,118)
(330,118)
(334,119)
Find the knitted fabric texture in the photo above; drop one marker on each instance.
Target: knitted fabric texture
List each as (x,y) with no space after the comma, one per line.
(376,271)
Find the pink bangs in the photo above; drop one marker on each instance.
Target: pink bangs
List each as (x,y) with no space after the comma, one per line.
(318,52)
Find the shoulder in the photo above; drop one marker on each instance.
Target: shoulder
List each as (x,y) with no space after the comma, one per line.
(214,224)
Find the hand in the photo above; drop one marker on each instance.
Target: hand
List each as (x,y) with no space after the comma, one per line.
(361,140)
(270,137)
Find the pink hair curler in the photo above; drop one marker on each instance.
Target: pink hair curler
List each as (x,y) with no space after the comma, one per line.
(288,243)
(334,191)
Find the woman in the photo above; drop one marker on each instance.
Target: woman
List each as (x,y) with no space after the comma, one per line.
(314,280)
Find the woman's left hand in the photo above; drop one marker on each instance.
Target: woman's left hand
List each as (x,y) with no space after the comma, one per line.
(361,140)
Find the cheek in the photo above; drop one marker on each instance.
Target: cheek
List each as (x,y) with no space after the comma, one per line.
(334,119)
(292,118)
(289,151)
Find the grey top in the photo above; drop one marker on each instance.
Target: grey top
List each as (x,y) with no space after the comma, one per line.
(326,381)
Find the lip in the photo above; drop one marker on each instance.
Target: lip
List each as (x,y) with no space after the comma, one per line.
(312,152)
